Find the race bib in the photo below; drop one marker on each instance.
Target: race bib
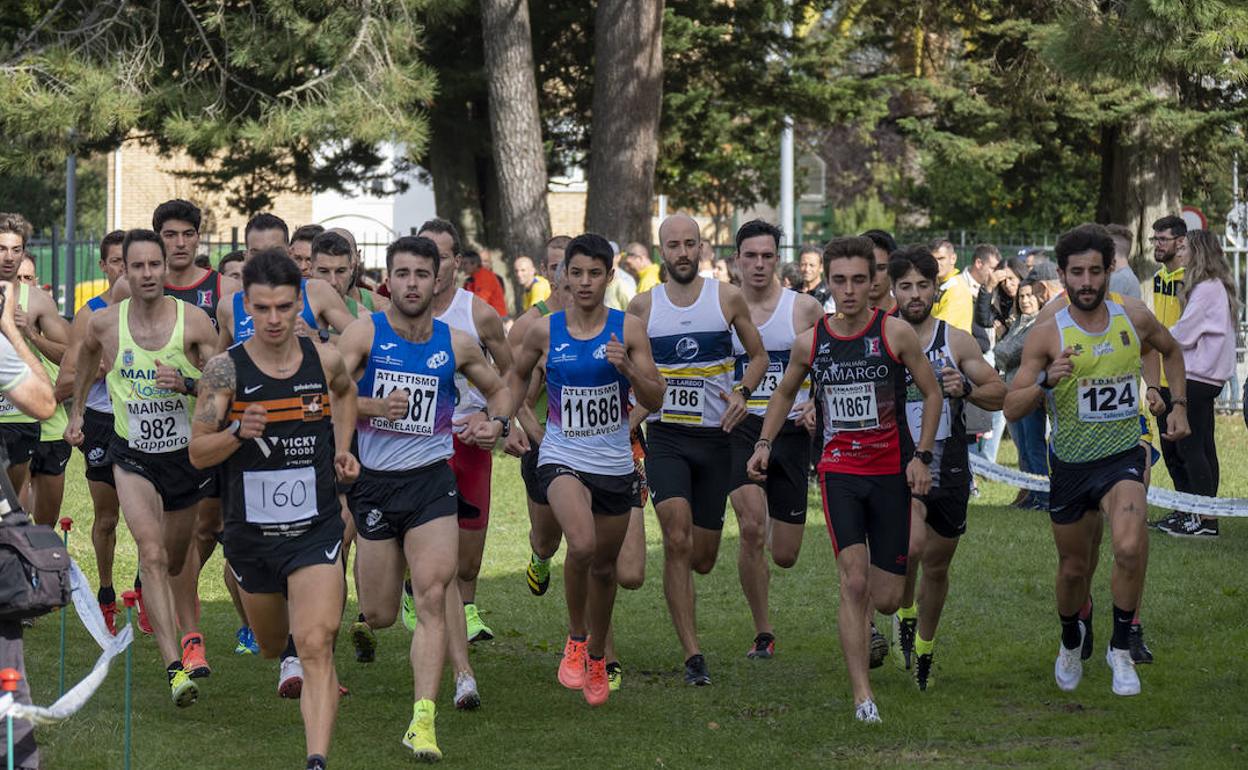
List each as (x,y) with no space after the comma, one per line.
(763,393)
(914,416)
(422,398)
(1108,399)
(851,407)
(7,407)
(684,401)
(590,411)
(274,498)
(158,425)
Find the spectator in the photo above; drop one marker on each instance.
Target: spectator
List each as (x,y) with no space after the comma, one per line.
(1206,332)
(301,247)
(231,265)
(1042,268)
(1011,276)
(536,288)
(810,272)
(722,271)
(790,276)
(706,260)
(955,304)
(1029,432)
(483,282)
(636,261)
(981,276)
(1169,237)
(623,286)
(1123,279)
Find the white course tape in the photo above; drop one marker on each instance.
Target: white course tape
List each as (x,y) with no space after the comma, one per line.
(78,695)
(1224,507)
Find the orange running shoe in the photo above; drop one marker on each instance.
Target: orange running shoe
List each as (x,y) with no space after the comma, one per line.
(193,660)
(109,611)
(572,667)
(145,623)
(597,686)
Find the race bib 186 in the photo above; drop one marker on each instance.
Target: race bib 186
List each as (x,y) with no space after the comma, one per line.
(684,401)
(422,398)
(1108,399)
(158,425)
(851,406)
(274,498)
(589,412)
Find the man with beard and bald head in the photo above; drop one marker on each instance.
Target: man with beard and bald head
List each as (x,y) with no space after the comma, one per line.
(690,321)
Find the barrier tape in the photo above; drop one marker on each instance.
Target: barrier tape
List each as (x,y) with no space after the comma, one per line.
(76,697)
(1222,507)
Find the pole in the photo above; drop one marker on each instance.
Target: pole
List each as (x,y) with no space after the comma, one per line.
(71,230)
(130,598)
(787,219)
(8,681)
(66,524)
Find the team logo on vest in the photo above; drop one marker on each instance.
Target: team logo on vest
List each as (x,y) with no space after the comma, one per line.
(1126,339)
(373,520)
(872,346)
(687,348)
(437,360)
(205,298)
(127,358)
(1103,348)
(313,407)
(600,352)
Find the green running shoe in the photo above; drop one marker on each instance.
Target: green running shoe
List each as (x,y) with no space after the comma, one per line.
(538,575)
(365,641)
(409,608)
(477,631)
(183,689)
(420,736)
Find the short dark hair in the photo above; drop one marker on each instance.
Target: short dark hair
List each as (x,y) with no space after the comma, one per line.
(915,257)
(417,245)
(109,241)
(305,233)
(204,261)
(438,225)
(179,209)
(985,251)
(809,248)
(238,255)
(882,240)
(1172,223)
(266,221)
(140,236)
(559,242)
(272,267)
(591,245)
(331,244)
(1085,237)
(940,243)
(16,224)
(1122,232)
(757,227)
(471,254)
(849,247)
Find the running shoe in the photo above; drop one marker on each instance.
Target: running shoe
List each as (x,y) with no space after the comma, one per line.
(597,686)
(1190,526)
(477,631)
(923,671)
(572,667)
(903,633)
(109,611)
(1126,681)
(145,623)
(193,659)
(615,675)
(1068,668)
(246,642)
(867,713)
(879,647)
(764,647)
(466,696)
(420,736)
(538,575)
(1135,643)
(290,678)
(1085,652)
(409,608)
(183,689)
(1169,518)
(365,641)
(695,671)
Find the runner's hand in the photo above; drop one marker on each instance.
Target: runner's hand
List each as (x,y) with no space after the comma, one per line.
(346,467)
(253,422)
(484,434)
(953,382)
(1061,368)
(919,477)
(1177,427)
(617,354)
(21,319)
(1156,404)
(469,422)
(756,467)
(73,431)
(735,412)
(396,404)
(516,443)
(806,416)
(302,329)
(168,377)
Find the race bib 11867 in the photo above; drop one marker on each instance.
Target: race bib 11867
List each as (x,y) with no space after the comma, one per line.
(851,406)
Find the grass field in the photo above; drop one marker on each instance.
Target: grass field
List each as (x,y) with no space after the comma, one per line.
(994,702)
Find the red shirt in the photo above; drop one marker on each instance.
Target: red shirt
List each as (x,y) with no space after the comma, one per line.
(484,283)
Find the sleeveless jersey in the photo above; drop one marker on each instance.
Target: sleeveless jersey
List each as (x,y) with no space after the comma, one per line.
(282,483)
(426,370)
(366,302)
(949,466)
(861,387)
(204,294)
(1167,286)
(778,335)
(1096,409)
(541,406)
(693,350)
(97,397)
(458,316)
(587,402)
(244,328)
(150,419)
(9,413)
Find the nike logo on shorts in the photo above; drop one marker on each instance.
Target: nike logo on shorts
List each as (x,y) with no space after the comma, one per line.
(237,577)
(332,553)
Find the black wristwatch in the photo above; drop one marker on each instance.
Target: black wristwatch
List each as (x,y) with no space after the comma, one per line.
(924,455)
(1042,379)
(506,423)
(190,383)
(745,391)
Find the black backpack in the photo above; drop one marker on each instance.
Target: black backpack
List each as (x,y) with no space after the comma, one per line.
(34,565)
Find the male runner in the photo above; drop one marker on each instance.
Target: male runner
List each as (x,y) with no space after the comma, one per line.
(690,321)
(771,514)
(276,414)
(1084,364)
(594,357)
(870,466)
(301,247)
(880,294)
(938,518)
(335,260)
(178,222)
(152,347)
(405,500)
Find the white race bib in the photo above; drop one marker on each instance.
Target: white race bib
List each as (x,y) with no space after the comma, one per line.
(7,407)
(914,416)
(684,401)
(158,425)
(1108,399)
(422,399)
(851,407)
(771,380)
(590,411)
(273,498)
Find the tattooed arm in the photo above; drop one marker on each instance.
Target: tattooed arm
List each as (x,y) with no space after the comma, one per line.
(211,443)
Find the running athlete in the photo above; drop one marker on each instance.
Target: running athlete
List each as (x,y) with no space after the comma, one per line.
(472,465)
(690,321)
(881,287)
(869,468)
(152,347)
(276,413)
(773,513)
(594,357)
(938,518)
(405,501)
(1084,365)
(97,431)
(335,260)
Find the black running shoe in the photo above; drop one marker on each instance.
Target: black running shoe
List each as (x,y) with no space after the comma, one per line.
(923,671)
(1135,643)
(879,647)
(1170,519)
(695,671)
(1086,652)
(764,647)
(903,631)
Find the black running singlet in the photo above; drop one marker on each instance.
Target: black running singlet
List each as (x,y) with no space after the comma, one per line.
(204,294)
(949,455)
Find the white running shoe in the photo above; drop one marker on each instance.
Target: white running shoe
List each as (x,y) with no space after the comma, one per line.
(1126,681)
(867,713)
(1068,669)
(290,678)
(466,695)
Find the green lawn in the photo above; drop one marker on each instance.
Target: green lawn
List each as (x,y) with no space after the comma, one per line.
(994,701)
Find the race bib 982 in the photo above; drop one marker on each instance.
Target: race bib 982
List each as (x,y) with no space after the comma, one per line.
(158,425)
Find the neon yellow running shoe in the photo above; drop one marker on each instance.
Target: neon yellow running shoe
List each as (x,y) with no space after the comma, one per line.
(537,574)
(615,675)
(364,639)
(477,631)
(420,736)
(183,689)
(409,608)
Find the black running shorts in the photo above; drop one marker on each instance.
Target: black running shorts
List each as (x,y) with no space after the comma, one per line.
(50,458)
(691,463)
(179,484)
(386,504)
(262,564)
(528,473)
(97,435)
(874,510)
(946,509)
(20,440)
(608,495)
(1076,488)
(788,467)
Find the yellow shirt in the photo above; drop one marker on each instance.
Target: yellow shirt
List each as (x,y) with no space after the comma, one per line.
(648,278)
(956,305)
(1166,287)
(537,291)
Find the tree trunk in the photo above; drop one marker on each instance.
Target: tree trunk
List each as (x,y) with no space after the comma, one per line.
(519,156)
(453,167)
(624,132)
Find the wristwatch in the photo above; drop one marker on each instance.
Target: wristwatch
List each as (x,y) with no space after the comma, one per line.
(924,455)
(190,383)
(745,391)
(1042,379)
(506,423)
